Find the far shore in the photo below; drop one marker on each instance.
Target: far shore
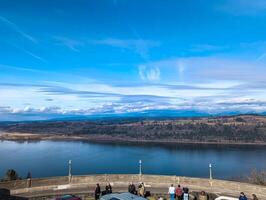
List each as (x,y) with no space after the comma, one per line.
(8,136)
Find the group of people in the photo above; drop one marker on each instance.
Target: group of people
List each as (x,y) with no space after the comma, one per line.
(98,192)
(243,197)
(141,189)
(179,193)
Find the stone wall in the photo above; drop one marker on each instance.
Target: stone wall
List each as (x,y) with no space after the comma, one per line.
(120,180)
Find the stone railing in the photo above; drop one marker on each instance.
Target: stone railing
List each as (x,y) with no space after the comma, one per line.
(122,180)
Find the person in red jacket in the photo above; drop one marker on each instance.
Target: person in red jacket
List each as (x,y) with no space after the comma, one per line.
(178,192)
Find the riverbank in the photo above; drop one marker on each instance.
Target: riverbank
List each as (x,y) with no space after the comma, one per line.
(114,139)
(234,130)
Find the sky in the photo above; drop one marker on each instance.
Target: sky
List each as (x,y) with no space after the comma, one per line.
(86,57)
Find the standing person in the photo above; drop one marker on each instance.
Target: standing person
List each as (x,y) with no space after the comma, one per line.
(132,188)
(108,188)
(185,195)
(203,196)
(134,191)
(28,175)
(171,192)
(254,197)
(178,192)
(29,179)
(142,189)
(242,196)
(129,187)
(97,192)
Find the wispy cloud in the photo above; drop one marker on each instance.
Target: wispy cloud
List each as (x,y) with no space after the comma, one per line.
(15,28)
(149,73)
(261,57)
(140,46)
(208,48)
(34,55)
(26,69)
(29,53)
(87,99)
(72,44)
(211,68)
(243,7)
(216,85)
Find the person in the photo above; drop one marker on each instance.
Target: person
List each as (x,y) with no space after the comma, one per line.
(29,179)
(178,192)
(129,187)
(185,195)
(242,196)
(97,191)
(171,192)
(254,197)
(28,175)
(108,189)
(203,196)
(142,189)
(132,188)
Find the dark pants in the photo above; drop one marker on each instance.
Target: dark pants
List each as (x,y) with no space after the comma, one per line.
(179,197)
(97,196)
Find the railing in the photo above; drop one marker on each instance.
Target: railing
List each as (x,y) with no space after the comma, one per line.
(122,180)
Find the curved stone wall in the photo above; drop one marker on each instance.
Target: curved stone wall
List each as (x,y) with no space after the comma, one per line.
(122,180)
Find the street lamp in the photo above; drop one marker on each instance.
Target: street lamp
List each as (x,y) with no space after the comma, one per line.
(210,170)
(69,170)
(140,167)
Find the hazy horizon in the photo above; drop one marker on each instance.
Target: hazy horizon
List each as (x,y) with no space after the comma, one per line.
(119,57)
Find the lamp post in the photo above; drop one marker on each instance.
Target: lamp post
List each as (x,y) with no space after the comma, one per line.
(69,170)
(210,171)
(140,167)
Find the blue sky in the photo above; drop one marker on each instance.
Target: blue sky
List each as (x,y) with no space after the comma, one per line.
(81,57)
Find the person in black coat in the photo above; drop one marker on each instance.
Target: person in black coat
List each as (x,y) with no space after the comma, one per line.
(108,189)
(132,188)
(97,192)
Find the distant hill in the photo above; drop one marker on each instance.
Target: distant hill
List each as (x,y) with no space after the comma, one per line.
(147,114)
(230,129)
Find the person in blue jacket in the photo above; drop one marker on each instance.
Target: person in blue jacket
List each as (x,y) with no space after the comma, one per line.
(242,196)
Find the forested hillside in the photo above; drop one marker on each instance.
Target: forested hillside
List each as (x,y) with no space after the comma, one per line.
(244,128)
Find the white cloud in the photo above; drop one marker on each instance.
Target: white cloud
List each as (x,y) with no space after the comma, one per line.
(210,68)
(214,85)
(149,73)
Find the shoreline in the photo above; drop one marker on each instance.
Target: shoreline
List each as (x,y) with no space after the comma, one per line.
(21,137)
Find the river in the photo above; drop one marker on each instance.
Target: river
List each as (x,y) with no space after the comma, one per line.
(50,158)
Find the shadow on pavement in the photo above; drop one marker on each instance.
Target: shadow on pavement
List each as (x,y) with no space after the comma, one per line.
(5,195)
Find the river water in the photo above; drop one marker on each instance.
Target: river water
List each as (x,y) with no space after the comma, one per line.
(50,158)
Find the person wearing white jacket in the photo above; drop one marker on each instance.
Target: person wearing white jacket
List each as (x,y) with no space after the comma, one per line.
(171,192)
